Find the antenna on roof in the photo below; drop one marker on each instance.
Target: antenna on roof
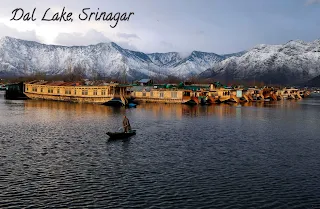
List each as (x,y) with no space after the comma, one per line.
(124,60)
(148,70)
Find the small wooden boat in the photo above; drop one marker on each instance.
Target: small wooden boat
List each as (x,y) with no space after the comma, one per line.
(121,135)
(132,105)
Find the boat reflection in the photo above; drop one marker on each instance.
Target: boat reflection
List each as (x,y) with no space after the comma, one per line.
(163,111)
(74,107)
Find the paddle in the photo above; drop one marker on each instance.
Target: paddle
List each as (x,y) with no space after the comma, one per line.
(122,127)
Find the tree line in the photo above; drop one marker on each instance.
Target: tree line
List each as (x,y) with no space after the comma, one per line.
(79,73)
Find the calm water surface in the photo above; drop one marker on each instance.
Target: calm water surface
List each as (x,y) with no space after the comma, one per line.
(57,155)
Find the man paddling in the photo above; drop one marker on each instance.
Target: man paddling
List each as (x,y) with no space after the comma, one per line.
(126,124)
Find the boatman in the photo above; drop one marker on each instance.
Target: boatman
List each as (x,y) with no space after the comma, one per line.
(126,124)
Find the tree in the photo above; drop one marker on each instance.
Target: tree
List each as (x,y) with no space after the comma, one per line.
(77,74)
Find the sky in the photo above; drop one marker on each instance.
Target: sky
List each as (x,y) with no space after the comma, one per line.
(219,26)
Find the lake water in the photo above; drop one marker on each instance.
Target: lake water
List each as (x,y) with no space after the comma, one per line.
(57,155)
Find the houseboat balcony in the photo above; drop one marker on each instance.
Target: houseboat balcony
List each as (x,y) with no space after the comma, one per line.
(2,87)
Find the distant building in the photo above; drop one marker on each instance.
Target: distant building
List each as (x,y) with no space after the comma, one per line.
(145,82)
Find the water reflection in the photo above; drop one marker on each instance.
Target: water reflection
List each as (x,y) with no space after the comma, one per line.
(161,111)
(253,155)
(67,106)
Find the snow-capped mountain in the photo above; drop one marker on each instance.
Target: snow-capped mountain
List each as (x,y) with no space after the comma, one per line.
(293,62)
(173,64)
(315,82)
(238,54)
(196,63)
(165,59)
(20,57)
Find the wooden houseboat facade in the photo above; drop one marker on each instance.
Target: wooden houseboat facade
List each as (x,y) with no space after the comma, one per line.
(119,94)
(74,92)
(209,94)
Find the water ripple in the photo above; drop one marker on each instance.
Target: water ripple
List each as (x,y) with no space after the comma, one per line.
(57,155)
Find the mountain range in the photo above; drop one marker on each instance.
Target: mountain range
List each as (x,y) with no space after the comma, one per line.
(295,62)
(20,57)
(290,63)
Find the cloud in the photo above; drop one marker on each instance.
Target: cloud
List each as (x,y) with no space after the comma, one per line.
(128,35)
(310,2)
(29,35)
(80,39)
(127,45)
(184,54)
(89,38)
(166,44)
(200,32)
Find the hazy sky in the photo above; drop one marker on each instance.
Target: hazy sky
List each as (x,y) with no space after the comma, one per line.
(220,26)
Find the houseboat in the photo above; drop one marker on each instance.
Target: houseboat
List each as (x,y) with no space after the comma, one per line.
(14,91)
(157,94)
(290,93)
(192,94)
(2,87)
(123,94)
(106,93)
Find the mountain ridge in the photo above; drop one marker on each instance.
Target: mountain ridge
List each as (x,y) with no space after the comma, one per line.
(289,63)
(296,61)
(21,57)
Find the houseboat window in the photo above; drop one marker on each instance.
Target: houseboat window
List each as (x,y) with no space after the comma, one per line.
(84,92)
(161,94)
(58,91)
(103,92)
(174,94)
(151,94)
(144,94)
(68,91)
(41,90)
(49,90)
(95,92)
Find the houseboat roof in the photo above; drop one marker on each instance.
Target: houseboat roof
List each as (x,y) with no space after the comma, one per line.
(193,88)
(201,85)
(62,83)
(141,88)
(121,85)
(144,80)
